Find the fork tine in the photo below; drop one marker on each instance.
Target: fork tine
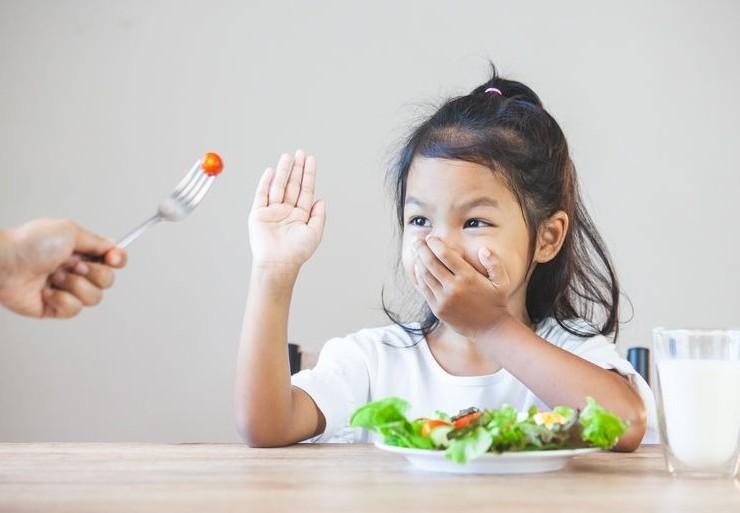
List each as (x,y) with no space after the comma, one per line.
(203,191)
(188,178)
(195,199)
(193,186)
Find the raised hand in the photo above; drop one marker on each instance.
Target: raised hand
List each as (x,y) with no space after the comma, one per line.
(286,223)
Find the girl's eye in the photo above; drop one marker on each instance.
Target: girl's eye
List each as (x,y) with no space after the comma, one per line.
(476,223)
(419,221)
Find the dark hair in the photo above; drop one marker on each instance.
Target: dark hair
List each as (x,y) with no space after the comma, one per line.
(511,133)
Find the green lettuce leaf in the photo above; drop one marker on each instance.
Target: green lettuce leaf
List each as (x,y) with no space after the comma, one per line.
(379,413)
(506,431)
(600,427)
(565,411)
(387,417)
(474,445)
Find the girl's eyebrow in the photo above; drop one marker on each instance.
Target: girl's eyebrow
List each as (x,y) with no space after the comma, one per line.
(483,201)
(411,200)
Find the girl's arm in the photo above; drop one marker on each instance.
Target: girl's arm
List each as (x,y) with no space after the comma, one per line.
(285,228)
(568,379)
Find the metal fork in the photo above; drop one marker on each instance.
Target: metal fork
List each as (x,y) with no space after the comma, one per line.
(175,207)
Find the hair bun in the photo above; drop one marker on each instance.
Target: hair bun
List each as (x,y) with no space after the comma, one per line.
(508,88)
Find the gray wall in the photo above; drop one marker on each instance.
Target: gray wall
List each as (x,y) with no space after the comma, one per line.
(103,105)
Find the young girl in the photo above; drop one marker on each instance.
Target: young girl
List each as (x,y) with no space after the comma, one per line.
(520,290)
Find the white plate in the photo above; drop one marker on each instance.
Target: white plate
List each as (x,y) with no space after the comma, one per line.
(524,462)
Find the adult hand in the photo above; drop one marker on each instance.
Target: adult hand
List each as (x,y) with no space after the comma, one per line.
(53,268)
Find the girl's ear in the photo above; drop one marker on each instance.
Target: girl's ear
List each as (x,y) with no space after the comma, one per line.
(550,237)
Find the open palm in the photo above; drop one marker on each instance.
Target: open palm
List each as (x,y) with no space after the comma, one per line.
(286,224)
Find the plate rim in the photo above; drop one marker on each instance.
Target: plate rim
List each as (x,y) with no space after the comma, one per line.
(547,453)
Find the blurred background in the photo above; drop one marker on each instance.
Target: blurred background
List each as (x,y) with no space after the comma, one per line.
(104,105)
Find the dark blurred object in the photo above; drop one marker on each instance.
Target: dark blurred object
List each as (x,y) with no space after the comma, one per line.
(294,357)
(639,357)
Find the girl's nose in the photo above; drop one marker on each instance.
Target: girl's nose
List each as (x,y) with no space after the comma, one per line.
(450,240)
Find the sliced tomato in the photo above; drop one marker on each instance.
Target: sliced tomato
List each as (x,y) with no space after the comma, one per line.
(429,425)
(464,421)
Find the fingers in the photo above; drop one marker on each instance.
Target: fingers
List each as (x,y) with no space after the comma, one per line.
(99,275)
(116,258)
(428,278)
(497,275)
(451,259)
(308,184)
(87,293)
(282,173)
(432,263)
(262,195)
(72,261)
(60,304)
(318,216)
(294,180)
(428,271)
(423,279)
(79,283)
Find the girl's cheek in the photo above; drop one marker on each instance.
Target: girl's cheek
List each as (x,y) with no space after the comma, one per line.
(407,260)
(407,251)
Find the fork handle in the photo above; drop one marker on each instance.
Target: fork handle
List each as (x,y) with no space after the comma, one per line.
(136,232)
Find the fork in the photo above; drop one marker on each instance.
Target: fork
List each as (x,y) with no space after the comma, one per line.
(184,198)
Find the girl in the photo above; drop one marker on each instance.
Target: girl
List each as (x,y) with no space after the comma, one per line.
(520,290)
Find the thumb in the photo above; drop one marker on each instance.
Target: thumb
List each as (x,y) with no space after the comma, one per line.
(88,243)
(318,216)
(492,264)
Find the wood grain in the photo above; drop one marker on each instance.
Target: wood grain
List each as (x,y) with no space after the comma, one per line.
(335,478)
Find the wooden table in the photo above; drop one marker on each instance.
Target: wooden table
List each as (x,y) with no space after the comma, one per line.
(338,478)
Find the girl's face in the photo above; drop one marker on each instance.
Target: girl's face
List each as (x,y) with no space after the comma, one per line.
(468,207)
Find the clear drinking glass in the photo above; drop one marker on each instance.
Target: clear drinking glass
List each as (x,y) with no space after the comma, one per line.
(698,390)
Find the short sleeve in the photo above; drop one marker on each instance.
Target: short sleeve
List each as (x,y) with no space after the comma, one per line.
(338,384)
(599,351)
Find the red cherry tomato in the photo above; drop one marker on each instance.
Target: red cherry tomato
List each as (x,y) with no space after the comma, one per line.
(464,421)
(212,164)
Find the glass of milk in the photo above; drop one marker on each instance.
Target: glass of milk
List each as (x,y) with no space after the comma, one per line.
(698,390)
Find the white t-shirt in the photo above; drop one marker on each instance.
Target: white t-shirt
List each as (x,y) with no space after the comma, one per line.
(381,362)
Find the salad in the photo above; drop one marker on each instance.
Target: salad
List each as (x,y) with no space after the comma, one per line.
(473,432)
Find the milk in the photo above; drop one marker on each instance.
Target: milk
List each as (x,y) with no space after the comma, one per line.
(701,405)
